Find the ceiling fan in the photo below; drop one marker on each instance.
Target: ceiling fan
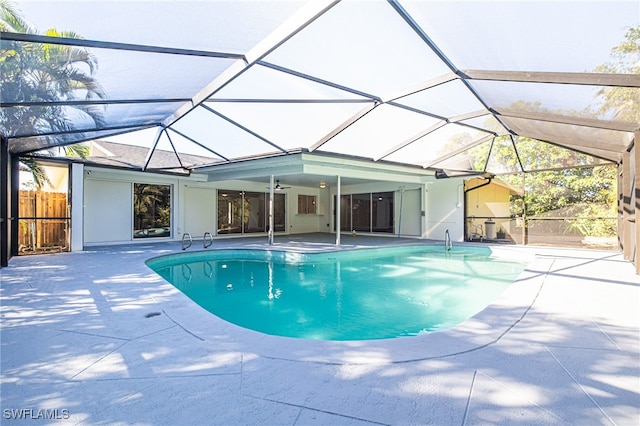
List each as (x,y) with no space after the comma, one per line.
(279,187)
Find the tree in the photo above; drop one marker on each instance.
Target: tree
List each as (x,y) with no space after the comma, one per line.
(622,101)
(560,183)
(34,72)
(573,190)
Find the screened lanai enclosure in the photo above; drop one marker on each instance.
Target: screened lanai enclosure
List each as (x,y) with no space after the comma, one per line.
(530,95)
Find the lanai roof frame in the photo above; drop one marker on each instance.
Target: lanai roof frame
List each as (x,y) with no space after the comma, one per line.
(548,126)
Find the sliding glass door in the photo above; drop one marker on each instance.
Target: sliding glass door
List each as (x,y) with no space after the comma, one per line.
(361,212)
(229,212)
(245,212)
(366,212)
(382,212)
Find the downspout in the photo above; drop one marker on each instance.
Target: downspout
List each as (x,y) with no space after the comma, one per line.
(466,191)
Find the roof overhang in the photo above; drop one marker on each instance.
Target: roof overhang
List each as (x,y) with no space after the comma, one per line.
(309,168)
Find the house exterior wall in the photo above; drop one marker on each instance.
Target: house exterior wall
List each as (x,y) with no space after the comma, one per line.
(199,211)
(408,211)
(489,201)
(107,213)
(108,204)
(302,223)
(444,209)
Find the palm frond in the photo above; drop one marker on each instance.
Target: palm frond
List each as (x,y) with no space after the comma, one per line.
(46,72)
(76,150)
(11,20)
(32,166)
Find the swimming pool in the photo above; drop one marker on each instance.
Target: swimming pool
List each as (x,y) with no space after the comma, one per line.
(358,294)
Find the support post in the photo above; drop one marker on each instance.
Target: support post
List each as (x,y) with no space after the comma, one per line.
(271,221)
(5,188)
(338,203)
(77,202)
(636,201)
(14,202)
(524,210)
(625,211)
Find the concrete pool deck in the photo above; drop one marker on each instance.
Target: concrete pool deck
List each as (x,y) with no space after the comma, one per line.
(96,337)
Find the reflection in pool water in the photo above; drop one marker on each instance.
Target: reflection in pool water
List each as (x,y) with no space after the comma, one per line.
(342,295)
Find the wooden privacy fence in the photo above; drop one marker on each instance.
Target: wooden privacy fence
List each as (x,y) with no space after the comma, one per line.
(44,221)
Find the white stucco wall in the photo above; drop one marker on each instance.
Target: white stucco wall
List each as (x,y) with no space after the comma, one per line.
(199,211)
(408,219)
(445,209)
(108,204)
(301,223)
(108,210)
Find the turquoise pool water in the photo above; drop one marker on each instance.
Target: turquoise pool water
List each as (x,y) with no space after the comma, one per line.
(344,295)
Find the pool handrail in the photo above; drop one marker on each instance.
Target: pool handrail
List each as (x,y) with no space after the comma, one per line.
(186,235)
(204,240)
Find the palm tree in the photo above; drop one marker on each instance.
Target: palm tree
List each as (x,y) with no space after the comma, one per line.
(33,72)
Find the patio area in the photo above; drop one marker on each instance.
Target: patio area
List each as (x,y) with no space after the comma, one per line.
(96,337)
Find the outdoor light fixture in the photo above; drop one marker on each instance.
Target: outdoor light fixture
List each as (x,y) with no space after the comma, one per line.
(441,174)
(323,185)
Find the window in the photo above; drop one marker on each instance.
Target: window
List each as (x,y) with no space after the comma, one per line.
(151,210)
(306,204)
